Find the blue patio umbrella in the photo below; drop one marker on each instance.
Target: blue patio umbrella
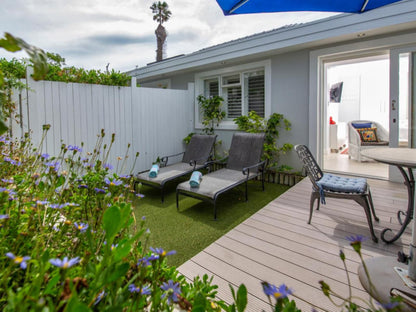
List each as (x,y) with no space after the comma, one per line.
(230,7)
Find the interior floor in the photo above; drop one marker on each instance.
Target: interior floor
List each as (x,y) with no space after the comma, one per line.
(340,163)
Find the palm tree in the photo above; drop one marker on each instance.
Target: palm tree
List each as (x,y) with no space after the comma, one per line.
(161,14)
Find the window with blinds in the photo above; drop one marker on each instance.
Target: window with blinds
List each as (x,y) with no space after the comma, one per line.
(211,87)
(242,92)
(255,92)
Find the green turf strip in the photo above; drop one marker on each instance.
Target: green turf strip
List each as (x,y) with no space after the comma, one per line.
(193,228)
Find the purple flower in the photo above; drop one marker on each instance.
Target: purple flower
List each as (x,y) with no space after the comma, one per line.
(356,238)
(99,191)
(18,260)
(71,204)
(143,262)
(74,148)
(108,166)
(4,216)
(55,165)
(279,293)
(65,263)
(56,206)
(173,290)
(139,195)
(388,306)
(82,186)
(82,227)
(161,252)
(356,241)
(4,139)
(45,156)
(113,182)
(99,297)
(42,202)
(145,290)
(7,180)
(125,176)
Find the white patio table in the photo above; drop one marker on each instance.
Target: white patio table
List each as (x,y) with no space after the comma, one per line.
(381,269)
(402,158)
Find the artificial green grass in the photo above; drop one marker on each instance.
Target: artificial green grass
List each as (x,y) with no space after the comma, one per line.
(193,228)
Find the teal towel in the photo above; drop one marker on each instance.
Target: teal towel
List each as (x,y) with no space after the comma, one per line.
(154,171)
(195,179)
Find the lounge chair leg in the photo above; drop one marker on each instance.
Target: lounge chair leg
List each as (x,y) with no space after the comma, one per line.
(215,210)
(177,200)
(246,191)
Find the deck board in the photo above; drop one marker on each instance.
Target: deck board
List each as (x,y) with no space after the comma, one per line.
(278,246)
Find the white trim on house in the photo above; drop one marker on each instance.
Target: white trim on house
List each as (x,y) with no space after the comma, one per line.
(343,27)
(199,89)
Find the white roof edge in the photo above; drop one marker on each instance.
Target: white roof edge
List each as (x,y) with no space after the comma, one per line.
(287,36)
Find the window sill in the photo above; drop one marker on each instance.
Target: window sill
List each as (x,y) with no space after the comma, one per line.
(224,125)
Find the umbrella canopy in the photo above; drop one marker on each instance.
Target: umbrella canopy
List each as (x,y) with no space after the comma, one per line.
(230,7)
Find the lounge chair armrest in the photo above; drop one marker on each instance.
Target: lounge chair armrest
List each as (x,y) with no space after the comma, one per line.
(164,159)
(246,170)
(194,162)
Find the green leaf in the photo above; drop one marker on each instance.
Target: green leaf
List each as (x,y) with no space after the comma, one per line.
(10,43)
(200,303)
(74,305)
(241,298)
(3,127)
(111,223)
(122,250)
(51,284)
(118,272)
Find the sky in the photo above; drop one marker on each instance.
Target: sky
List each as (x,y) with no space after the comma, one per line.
(92,33)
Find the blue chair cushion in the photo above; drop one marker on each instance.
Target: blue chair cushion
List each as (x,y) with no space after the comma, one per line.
(334,183)
(357,125)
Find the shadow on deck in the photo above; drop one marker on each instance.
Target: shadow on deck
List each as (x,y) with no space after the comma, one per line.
(278,246)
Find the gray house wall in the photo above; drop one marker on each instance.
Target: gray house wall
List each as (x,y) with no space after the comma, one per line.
(290,82)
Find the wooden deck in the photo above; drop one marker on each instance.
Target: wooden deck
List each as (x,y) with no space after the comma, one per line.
(278,246)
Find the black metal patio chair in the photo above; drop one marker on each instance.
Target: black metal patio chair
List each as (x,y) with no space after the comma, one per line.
(328,185)
(243,164)
(198,152)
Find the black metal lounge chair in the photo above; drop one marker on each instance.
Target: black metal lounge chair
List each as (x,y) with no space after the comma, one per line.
(328,185)
(198,152)
(244,163)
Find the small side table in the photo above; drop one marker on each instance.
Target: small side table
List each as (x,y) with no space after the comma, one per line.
(384,277)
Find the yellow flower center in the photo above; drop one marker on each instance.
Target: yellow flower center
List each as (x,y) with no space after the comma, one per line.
(277,294)
(18,259)
(80,227)
(112,184)
(164,253)
(65,265)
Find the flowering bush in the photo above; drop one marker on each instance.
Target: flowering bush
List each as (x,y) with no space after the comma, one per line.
(70,240)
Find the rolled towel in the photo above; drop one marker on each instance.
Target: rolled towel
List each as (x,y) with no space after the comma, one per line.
(195,179)
(154,171)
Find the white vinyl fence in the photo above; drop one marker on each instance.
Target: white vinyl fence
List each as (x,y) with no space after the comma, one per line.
(153,121)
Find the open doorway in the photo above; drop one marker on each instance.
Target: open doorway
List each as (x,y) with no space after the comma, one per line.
(357,90)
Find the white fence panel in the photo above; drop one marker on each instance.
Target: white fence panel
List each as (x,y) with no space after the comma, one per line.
(153,121)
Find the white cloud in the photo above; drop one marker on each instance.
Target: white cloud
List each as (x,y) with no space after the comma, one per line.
(92,33)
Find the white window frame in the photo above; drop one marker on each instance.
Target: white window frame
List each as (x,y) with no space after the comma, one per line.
(199,89)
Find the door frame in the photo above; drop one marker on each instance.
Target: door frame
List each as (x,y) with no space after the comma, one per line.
(317,58)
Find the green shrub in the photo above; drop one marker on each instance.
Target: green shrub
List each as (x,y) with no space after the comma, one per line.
(253,123)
